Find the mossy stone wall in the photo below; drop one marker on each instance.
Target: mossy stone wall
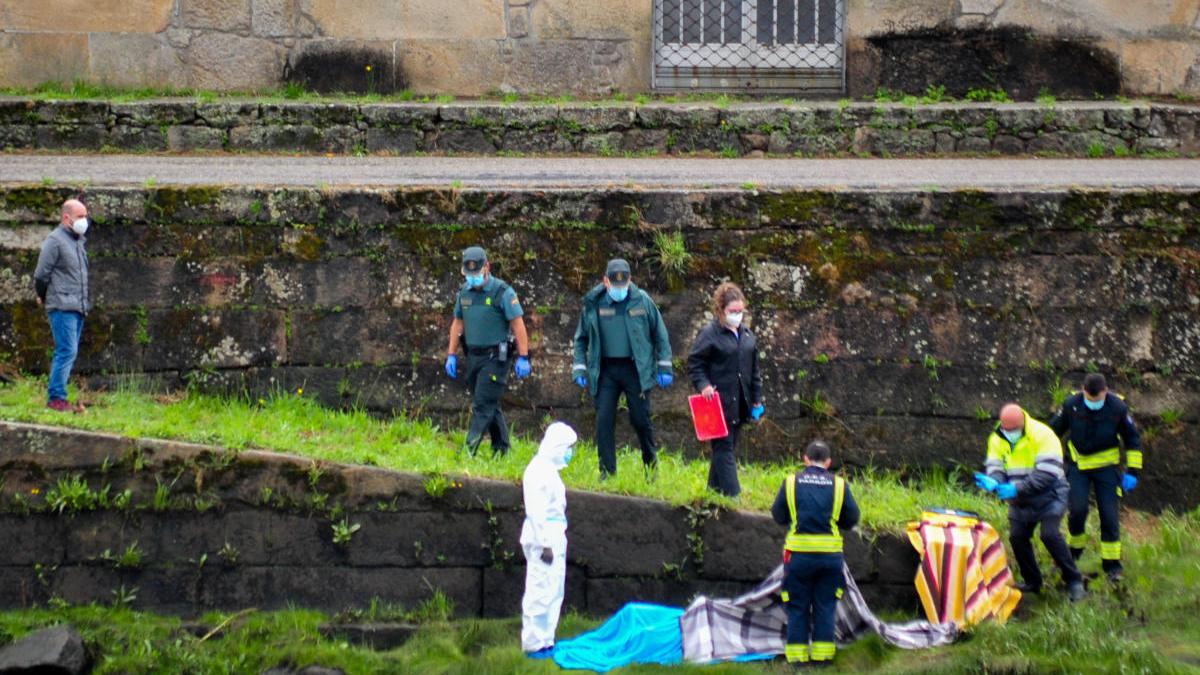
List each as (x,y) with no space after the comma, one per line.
(892,323)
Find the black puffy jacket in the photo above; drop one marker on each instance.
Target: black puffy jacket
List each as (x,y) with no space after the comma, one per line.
(730,364)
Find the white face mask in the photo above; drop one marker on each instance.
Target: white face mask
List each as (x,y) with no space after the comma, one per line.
(733,319)
(80,226)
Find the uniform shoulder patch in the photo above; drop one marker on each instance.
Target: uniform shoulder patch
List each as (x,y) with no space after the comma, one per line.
(513,301)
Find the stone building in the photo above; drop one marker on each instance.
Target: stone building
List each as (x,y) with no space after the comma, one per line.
(1075,48)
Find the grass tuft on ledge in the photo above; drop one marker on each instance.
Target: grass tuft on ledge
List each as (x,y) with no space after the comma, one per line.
(294,423)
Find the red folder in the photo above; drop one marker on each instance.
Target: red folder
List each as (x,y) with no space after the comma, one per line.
(708,417)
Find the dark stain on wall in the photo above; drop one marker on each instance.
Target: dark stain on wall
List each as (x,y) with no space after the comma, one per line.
(1021,62)
(355,70)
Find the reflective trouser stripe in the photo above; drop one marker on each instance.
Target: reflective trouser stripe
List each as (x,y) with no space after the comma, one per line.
(1133,459)
(1110,550)
(1077,540)
(823,651)
(1096,460)
(796,653)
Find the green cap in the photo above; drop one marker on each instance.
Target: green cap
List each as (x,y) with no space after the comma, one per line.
(474,259)
(617,271)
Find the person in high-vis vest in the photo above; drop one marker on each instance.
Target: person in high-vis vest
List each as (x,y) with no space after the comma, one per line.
(1097,423)
(1025,468)
(815,505)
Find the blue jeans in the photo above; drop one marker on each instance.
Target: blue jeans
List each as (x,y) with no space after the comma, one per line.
(67,328)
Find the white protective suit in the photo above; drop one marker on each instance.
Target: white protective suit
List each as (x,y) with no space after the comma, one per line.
(545,527)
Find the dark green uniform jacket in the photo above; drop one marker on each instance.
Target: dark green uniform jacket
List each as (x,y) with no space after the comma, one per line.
(647,336)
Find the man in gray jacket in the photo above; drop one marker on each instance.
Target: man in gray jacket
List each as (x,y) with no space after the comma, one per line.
(61,283)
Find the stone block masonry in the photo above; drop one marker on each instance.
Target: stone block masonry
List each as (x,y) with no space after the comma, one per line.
(893,323)
(255,529)
(1072,129)
(582,47)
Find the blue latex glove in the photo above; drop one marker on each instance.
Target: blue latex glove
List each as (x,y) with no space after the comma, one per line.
(1128,482)
(984,482)
(581,380)
(523,368)
(452,366)
(1006,491)
(757,411)
(665,380)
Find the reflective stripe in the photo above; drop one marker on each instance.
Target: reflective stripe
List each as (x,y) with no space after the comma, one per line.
(1077,540)
(1133,459)
(1110,550)
(1053,468)
(1019,472)
(823,651)
(1096,460)
(796,653)
(665,364)
(815,543)
(578,366)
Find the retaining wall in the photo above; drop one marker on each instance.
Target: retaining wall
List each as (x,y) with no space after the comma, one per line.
(892,323)
(1078,129)
(254,529)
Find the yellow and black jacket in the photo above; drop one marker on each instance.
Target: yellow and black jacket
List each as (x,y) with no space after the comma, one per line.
(1034,464)
(1095,437)
(816,505)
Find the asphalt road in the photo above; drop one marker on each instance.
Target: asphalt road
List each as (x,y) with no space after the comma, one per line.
(591,172)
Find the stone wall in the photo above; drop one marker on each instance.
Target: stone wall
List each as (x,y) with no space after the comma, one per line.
(255,529)
(894,323)
(1073,129)
(590,47)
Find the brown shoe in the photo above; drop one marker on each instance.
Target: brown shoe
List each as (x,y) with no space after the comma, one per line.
(59,405)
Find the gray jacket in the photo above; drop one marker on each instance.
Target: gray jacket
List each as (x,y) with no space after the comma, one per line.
(61,277)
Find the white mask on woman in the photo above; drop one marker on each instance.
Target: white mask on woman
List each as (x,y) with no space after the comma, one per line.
(733,319)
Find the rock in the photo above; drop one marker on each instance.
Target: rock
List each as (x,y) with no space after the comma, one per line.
(53,651)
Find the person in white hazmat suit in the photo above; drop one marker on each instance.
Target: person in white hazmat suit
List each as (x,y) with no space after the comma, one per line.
(544,540)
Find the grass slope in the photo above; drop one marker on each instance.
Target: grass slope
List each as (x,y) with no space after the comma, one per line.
(290,422)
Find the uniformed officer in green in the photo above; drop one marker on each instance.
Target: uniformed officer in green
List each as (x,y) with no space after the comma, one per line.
(621,347)
(487,315)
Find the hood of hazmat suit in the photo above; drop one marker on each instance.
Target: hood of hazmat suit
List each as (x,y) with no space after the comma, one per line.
(545,494)
(545,528)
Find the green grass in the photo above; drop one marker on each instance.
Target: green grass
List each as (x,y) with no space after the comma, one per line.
(1149,627)
(292,422)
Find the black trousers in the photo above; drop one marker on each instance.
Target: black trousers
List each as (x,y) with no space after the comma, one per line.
(487,378)
(620,376)
(722,468)
(812,582)
(1105,483)
(1020,536)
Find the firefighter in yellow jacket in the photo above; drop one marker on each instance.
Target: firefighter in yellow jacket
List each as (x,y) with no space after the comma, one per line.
(1025,468)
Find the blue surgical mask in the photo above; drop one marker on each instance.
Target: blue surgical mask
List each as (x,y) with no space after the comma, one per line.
(568,455)
(1093,405)
(618,293)
(475,280)
(1013,436)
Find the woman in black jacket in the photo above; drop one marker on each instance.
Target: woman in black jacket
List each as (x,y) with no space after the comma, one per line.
(724,362)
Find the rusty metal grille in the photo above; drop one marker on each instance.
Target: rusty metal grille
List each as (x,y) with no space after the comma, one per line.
(750,46)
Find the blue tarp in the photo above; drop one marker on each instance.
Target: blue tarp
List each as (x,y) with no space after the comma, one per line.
(638,633)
